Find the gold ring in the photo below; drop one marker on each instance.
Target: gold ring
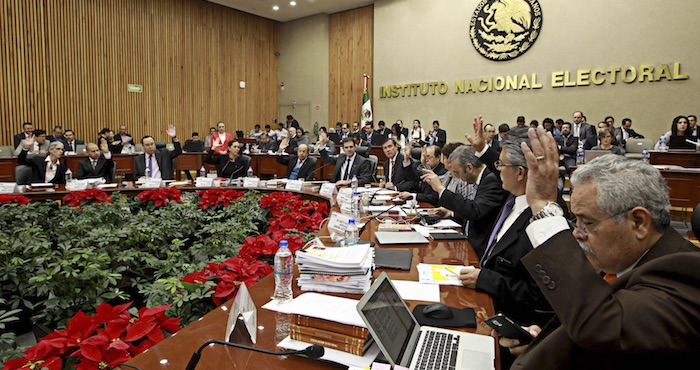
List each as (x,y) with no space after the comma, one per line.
(540,158)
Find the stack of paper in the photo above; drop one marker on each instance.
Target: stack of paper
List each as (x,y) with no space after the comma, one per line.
(335,269)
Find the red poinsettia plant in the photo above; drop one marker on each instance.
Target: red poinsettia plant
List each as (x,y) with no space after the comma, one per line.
(218,197)
(14,198)
(289,212)
(110,337)
(84,197)
(161,196)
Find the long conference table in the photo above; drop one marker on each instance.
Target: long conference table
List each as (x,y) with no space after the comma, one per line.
(175,352)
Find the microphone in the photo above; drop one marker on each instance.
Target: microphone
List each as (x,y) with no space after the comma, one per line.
(313,173)
(314,351)
(230,178)
(362,229)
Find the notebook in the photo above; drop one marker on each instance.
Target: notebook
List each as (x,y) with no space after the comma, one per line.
(403,237)
(404,342)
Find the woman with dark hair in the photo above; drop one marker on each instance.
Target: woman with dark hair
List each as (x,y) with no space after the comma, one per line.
(679,127)
(417,133)
(399,138)
(231,165)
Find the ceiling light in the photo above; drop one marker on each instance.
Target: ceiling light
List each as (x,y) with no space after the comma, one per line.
(275,7)
(292,3)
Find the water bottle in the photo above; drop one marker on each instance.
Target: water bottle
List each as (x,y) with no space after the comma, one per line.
(247,147)
(353,183)
(662,144)
(148,173)
(202,172)
(283,273)
(580,159)
(250,171)
(351,233)
(645,155)
(356,205)
(69,176)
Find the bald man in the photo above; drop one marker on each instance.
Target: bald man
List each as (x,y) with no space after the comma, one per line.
(300,166)
(98,163)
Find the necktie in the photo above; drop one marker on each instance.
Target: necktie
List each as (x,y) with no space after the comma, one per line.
(94,164)
(150,164)
(294,175)
(610,278)
(492,239)
(391,171)
(347,169)
(70,147)
(576,131)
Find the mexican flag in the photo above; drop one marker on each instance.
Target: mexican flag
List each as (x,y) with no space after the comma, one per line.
(366,105)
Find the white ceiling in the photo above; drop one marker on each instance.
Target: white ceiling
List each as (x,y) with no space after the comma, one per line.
(286,12)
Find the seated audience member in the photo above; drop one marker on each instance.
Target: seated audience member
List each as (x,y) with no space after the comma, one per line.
(397,168)
(231,165)
(27,133)
(382,129)
(557,123)
(503,130)
(437,136)
(479,212)
(221,139)
(679,127)
(292,122)
(71,143)
(692,122)
(624,284)
(323,143)
(281,130)
(417,134)
(355,128)
(568,145)
(605,136)
(454,183)
(97,164)
(39,144)
(57,135)
(255,132)
(45,168)
(300,166)
(159,161)
(400,139)
(348,164)
(490,137)
(123,136)
(534,123)
(519,122)
(194,145)
(549,126)
(430,162)
(270,132)
(286,143)
(298,136)
(359,141)
(207,140)
(367,132)
(265,144)
(625,132)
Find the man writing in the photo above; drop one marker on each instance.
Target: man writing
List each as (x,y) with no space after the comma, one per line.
(97,164)
(158,161)
(646,318)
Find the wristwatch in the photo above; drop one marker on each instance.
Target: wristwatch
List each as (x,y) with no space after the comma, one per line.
(549,210)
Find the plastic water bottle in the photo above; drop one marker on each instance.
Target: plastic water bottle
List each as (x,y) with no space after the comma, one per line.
(250,171)
(284,261)
(645,155)
(202,172)
(69,176)
(580,159)
(356,205)
(148,173)
(351,233)
(662,144)
(353,183)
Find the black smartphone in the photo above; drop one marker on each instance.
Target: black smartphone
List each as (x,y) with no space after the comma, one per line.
(506,327)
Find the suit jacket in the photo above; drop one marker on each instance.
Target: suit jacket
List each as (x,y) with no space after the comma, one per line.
(441,137)
(401,177)
(227,168)
(482,212)
(38,165)
(585,130)
(305,172)
(496,145)
(385,131)
(103,169)
(646,319)
(361,167)
(18,139)
(567,145)
(425,192)
(165,160)
(193,146)
(72,148)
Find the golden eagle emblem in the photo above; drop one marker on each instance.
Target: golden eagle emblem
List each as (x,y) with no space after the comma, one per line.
(505,29)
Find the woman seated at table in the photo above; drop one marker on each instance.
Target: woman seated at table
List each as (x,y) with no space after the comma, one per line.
(679,127)
(605,135)
(232,165)
(400,139)
(45,168)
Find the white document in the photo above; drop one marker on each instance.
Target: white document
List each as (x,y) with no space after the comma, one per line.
(440,274)
(343,358)
(426,230)
(152,183)
(415,291)
(8,188)
(322,306)
(445,223)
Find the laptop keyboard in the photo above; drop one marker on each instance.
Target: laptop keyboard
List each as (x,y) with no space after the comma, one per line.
(439,351)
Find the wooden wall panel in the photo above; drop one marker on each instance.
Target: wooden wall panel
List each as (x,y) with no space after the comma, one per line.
(350,56)
(68,62)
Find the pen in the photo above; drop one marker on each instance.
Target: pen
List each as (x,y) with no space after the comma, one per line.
(451,271)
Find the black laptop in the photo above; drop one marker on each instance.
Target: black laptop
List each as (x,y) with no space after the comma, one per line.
(677,142)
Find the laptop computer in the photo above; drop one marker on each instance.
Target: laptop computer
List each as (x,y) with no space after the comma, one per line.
(400,237)
(405,342)
(676,142)
(592,154)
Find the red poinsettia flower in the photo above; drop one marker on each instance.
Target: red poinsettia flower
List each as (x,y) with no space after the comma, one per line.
(43,355)
(14,198)
(84,197)
(106,313)
(79,328)
(161,196)
(98,352)
(259,245)
(217,197)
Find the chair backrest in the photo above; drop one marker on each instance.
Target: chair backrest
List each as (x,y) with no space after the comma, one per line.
(23,174)
(375,161)
(637,145)
(416,152)
(161,144)
(138,148)
(6,151)
(695,221)
(363,151)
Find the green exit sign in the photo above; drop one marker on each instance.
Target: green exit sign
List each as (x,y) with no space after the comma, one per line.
(135,88)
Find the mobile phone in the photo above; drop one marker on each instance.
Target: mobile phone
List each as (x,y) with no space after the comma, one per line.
(506,327)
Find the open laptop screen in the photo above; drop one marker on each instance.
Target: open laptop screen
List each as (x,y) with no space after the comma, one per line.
(391,321)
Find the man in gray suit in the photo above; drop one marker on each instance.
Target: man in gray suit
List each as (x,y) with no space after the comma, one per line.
(644,313)
(581,129)
(159,161)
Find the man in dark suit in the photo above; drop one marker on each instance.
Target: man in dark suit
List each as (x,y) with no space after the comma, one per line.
(437,136)
(348,164)
(479,212)
(490,137)
(194,145)
(292,122)
(159,161)
(625,132)
(643,312)
(28,133)
(367,133)
(97,164)
(567,145)
(382,129)
(45,168)
(580,129)
(57,135)
(71,143)
(300,166)
(397,168)
(430,163)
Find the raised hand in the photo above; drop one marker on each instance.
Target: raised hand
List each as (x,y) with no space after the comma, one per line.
(478,143)
(543,168)
(171,131)
(28,143)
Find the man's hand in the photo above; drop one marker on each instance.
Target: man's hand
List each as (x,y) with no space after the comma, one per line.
(513,345)
(468,277)
(430,178)
(441,211)
(404,195)
(390,185)
(478,143)
(171,131)
(543,168)
(28,143)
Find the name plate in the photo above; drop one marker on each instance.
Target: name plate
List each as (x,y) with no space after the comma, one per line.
(327,190)
(76,185)
(344,197)
(204,182)
(152,183)
(294,185)
(8,188)
(338,222)
(251,182)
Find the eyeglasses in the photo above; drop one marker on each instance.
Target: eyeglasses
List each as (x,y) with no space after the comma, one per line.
(585,227)
(499,165)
